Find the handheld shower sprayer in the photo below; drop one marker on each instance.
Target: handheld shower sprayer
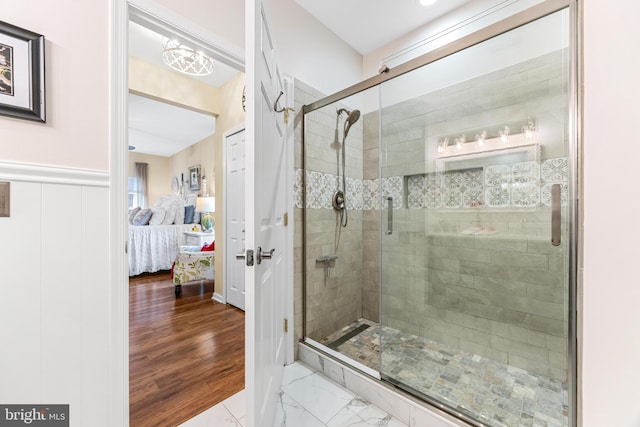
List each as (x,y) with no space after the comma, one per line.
(339,197)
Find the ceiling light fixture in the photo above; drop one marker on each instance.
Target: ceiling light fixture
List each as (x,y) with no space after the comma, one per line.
(426,2)
(185,59)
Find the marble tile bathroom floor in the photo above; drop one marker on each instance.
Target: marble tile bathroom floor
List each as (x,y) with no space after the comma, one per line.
(307,399)
(489,391)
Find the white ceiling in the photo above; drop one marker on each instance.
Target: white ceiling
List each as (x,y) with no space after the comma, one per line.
(367,25)
(146,44)
(163,129)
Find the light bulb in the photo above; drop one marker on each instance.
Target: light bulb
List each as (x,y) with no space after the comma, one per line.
(480,138)
(529,130)
(504,135)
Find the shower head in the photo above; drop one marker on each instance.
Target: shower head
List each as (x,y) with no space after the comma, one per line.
(352,118)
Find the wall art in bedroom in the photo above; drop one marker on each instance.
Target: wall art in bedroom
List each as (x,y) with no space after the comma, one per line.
(194,178)
(22,89)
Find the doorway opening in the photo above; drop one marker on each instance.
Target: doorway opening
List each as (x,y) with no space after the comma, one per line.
(186,353)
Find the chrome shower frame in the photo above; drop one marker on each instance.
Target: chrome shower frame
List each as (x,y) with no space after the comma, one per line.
(534,13)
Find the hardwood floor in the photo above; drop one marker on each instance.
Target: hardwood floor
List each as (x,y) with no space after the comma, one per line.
(185,354)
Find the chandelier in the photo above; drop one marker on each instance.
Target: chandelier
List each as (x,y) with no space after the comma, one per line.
(185,59)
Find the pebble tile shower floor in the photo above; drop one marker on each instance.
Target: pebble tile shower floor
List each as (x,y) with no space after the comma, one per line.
(489,391)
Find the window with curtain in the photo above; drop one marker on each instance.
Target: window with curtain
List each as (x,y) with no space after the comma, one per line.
(138,186)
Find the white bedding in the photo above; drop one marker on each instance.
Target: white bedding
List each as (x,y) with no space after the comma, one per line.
(154,247)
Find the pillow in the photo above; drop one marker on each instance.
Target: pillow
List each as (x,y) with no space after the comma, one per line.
(170,215)
(175,205)
(210,247)
(189,210)
(158,216)
(179,212)
(132,214)
(142,217)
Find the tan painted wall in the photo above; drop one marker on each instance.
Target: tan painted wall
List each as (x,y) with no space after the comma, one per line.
(199,154)
(156,82)
(159,179)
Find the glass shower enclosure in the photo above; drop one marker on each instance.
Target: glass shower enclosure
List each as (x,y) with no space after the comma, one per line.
(438,227)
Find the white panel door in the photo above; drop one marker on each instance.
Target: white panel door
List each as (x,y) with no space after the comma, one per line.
(265,211)
(235,220)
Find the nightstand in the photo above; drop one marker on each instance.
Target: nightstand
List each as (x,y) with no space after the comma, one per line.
(197,238)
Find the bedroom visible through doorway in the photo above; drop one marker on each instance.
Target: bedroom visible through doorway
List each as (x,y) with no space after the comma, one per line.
(185,354)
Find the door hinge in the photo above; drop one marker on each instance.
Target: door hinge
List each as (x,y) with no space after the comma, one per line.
(286,325)
(286,219)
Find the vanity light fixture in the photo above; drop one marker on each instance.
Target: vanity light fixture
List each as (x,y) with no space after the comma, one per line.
(498,140)
(185,59)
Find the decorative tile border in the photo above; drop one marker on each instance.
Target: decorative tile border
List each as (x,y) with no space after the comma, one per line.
(520,185)
(361,194)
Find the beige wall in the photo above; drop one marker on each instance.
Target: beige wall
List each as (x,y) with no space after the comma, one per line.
(77,86)
(199,154)
(158,178)
(156,82)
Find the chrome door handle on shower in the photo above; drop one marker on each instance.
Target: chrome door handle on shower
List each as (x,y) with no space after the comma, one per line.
(556,203)
(390,215)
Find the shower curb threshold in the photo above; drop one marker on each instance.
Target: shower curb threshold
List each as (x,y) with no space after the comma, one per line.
(395,402)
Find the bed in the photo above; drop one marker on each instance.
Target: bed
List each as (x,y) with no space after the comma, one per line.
(156,233)
(154,247)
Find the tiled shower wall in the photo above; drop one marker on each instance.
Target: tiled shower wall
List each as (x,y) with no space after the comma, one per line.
(469,263)
(334,295)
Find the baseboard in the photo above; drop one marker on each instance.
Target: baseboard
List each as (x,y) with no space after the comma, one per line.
(218,298)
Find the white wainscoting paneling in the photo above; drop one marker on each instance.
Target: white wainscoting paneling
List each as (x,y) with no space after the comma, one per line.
(21,296)
(54,280)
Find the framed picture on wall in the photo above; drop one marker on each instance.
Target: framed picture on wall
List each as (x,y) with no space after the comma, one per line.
(21,73)
(194,178)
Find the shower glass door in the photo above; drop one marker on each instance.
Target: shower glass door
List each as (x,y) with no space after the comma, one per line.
(475,188)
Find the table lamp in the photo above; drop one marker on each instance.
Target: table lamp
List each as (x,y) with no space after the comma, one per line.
(206,205)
